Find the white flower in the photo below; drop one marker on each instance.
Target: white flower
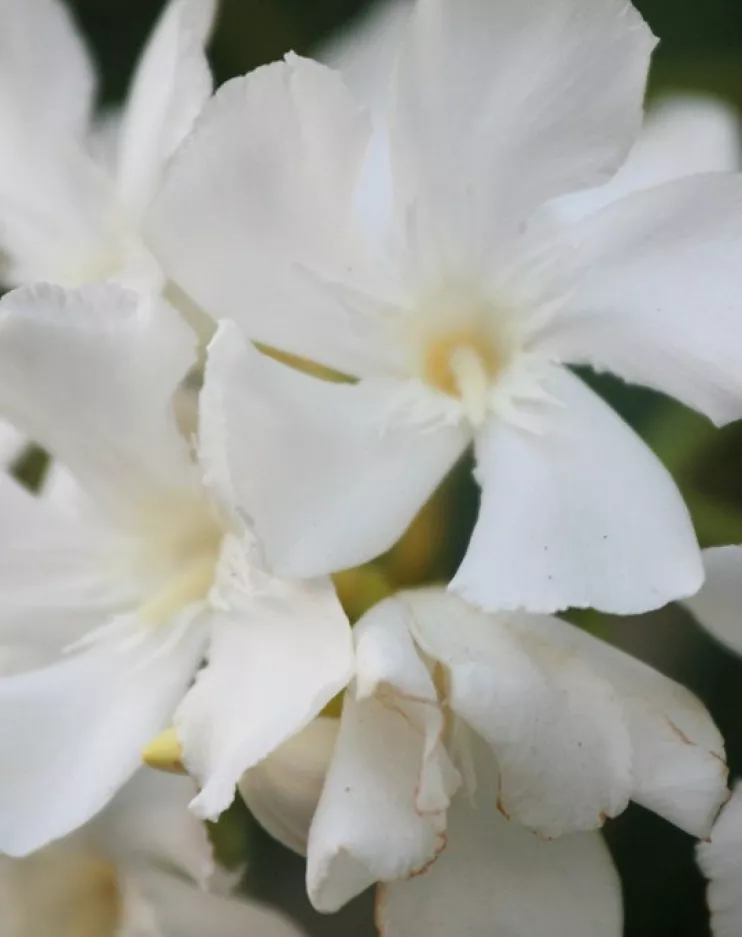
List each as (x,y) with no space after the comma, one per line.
(139,869)
(459,322)
(721,862)
(66,215)
(573,728)
(492,877)
(126,594)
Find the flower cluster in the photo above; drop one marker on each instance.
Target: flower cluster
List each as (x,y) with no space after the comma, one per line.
(254,329)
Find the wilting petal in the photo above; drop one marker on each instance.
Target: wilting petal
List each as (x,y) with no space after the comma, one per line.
(721,862)
(282,792)
(497,878)
(90,374)
(279,653)
(272,163)
(651,262)
(556,728)
(366,828)
(312,513)
(577,512)
(171,85)
(677,753)
(500,106)
(77,728)
(718,606)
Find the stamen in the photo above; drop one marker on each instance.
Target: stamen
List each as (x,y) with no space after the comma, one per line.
(165,753)
(472,382)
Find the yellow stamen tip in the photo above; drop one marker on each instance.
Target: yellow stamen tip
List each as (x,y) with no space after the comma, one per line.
(165,753)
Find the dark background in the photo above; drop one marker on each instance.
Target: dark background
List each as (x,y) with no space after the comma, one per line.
(701,49)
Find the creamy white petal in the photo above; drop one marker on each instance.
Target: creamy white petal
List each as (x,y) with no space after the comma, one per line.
(279,652)
(720,860)
(677,753)
(178,908)
(555,726)
(77,728)
(658,301)
(171,85)
(282,792)
(576,511)
(500,106)
(718,606)
(311,509)
(497,878)
(366,828)
(90,374)
(272,164)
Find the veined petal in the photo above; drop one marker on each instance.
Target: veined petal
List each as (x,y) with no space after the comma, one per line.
(254,412)
(556,728)
(718,606)
(257,207)
(366,828)
(499,106)
(496,877)
(171,85)
(576,512)
(720,860)
(77,728)
(282,791)
(278,654)
(90,374)
(677,753)
(658,302)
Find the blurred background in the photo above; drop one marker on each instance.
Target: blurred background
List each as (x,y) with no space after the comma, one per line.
(700,51)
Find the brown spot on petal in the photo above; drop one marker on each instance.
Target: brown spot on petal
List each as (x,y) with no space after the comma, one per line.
(443,842)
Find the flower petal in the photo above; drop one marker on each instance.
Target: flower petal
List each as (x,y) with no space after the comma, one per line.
(556,727)
(171,85)
(497,878)
(577,512)
(272,162)
(677,753)
(500,106)
(282,791)
(90,374)
(718,606)
(279,653)
(658,300)
(77,727)
(720,860)
(366,828)
(254,411)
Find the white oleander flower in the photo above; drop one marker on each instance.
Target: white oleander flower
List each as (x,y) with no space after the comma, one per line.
(493,876)
(573,728)
(459,322)
(141,868)
(128,586)
(67,215)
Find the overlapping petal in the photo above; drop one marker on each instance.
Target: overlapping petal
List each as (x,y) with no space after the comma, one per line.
(718,606)
(720,860)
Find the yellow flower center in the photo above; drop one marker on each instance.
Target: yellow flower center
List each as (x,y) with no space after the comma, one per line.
(463,363)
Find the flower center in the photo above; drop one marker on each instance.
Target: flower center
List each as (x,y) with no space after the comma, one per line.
(463,363)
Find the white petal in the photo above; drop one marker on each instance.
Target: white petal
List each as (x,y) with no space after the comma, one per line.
(658,301)
(677,753)
(718,606)
(261,194)
(683,135)
(282,792)
(177,908)
(557,728)
(90,374)
(366,828)
(149,821)
(497,878)
(279,653)
(721,862)
(78,726)
(254,412)
(577,512)
(500,106)
(171,85)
